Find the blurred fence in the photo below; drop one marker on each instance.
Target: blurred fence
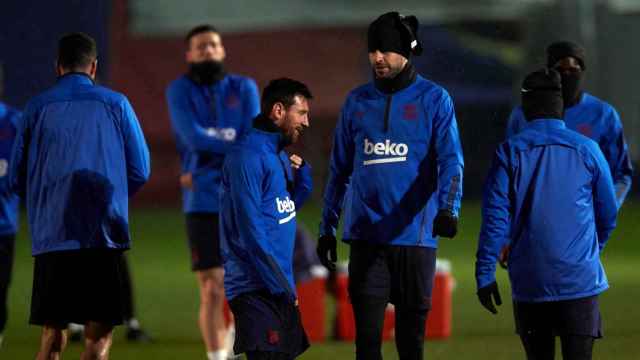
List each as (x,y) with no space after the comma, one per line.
(478,50)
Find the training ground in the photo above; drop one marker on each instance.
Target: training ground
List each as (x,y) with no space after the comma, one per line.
(167,297)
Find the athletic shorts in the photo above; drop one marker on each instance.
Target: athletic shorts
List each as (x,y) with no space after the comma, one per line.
(268,323)
(570,317)
(204,240)
(401,275)
(78,286)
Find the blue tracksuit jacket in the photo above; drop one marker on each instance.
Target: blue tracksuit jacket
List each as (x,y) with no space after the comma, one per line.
(599,121)
(9,201)
(550,191)
(259,198)
(78,156)
(396,161)
(206,121)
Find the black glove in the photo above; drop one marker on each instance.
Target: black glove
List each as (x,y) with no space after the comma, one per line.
(485,293)
(327,252)
(445,224)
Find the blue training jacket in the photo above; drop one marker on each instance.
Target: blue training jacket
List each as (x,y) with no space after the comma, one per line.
(396,161)
(206,121)
(550,191)
(9,201)
(78,156)
(259,198)
(599,121)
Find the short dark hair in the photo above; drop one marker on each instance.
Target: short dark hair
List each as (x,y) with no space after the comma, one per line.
(282,90)
(204,28)
(76,50)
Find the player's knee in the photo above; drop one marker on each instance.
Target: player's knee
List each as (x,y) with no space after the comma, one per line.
(98,347)
(55,338)
(212,291)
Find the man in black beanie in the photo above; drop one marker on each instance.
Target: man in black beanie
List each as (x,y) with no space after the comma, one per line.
(549,195)
(396,168)
(586,114)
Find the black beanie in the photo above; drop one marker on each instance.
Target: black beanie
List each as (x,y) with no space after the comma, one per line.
(542,95)
(396,33)
(562,49)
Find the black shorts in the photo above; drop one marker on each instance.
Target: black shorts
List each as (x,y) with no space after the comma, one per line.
(559,318)
(204,240)
(267,323)
(78,286)
(401,275)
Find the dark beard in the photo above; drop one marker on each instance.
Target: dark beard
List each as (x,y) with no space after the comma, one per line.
(571,89)
(206,72)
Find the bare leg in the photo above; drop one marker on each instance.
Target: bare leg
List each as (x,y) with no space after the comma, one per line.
(52,342)
(97,341)
(211,319)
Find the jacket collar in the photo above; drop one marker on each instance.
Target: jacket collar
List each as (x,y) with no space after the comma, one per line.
(404,79)
(546,124)
(76,78)
(265,128)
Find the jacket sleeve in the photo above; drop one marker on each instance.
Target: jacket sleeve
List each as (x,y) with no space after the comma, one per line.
(183,120)
(617,153)
(303,185)
(448,156)
(17,173)
(515,122)
(135,148)
(8,141)
(252,102)
(246,191)
(340,169)
(604,198)
(496,219)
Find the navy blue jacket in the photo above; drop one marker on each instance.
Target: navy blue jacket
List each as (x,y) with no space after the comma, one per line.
(79,155)
(206,122)
(396,161)
(9,201)
(550,191)
(260,195)
(599,121)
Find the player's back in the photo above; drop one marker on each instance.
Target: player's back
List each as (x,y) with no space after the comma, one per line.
(76,166)
(554,240)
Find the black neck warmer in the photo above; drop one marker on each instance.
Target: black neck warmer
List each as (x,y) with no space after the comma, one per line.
(206,72)
(401,81)
(266,124)
(571,88)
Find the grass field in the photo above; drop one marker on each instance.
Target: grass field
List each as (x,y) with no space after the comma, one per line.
(167,297)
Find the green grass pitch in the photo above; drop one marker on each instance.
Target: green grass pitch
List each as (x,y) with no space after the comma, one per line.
(167,297)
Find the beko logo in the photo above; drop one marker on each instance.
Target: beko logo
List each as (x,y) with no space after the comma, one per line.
(226,134)
(286,206)
(391,151)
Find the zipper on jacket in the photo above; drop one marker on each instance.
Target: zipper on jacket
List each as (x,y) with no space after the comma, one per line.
(386,113)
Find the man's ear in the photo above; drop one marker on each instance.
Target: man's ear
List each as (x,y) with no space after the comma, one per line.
(58,68)
(94,69)
(277,112)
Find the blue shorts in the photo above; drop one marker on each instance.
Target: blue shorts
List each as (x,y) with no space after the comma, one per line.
(559,318)
(267,323)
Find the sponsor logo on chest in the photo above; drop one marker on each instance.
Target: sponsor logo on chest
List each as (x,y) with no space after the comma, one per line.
(387,152)
(286,207)
(226,134)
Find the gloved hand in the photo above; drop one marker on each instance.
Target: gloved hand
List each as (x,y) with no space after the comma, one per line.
(445,224)
(485,294)
(327,251)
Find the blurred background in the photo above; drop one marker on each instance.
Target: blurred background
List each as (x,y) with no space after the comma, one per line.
(479,50)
